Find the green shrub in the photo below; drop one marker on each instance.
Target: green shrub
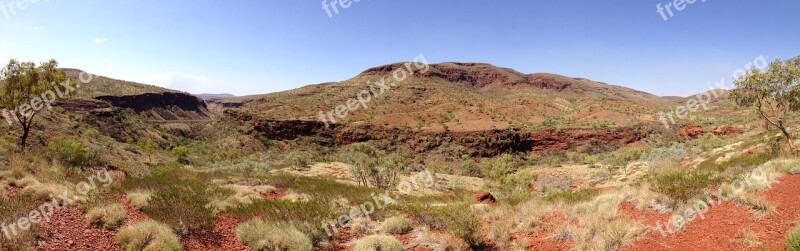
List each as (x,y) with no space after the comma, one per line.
(571,197)
(148,235)
(519,182)
(180,153)
(184,208)
(499,166)
(683,185)
(139,199)
(373,167)
(397,225)
(709,141)
(69,151)
(108,216)
(299,160)
(261,235)
(12,209)
(469,168)
(378,243)
(459,219)
(793,240)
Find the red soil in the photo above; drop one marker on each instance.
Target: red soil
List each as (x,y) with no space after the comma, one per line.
(223,237)
(541,240)
(68,230)
(648,217)
(725,225)
(276,195)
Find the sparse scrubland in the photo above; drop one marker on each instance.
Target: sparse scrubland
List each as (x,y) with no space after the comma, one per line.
(223,175)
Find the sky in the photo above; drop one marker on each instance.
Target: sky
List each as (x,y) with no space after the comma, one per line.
(253,46)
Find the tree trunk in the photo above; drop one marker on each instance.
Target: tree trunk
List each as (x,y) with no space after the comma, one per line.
(788,137)
(24,139)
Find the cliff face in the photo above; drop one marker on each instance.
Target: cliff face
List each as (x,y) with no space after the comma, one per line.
(482,143)
(148,101)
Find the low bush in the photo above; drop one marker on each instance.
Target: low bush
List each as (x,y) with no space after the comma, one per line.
(148,235)
(108,216)
(793,240)
(499,166)
(458,219)
(571,197)
(397,225)
(69,151)
(261,235)
(682,185)
(183,208)
(378,243)
(139,199)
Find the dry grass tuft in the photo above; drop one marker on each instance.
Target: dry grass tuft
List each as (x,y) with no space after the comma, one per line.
(108,216)
(424,238)
(397,225)
(378,242)
(139,199)
(261,235)
(148,235)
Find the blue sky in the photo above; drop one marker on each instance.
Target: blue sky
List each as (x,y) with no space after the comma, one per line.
(250,47)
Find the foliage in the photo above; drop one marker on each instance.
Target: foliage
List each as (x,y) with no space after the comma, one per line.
(148,235)
(69,151)
(499,166)
(299,160)
(397,225)
(180,153)
(793,240)
(183,206)
(469,168)
(682,185)
(148,147)
(261,235)
(772,92)
(571,197)
(373,167)
(108,216)
(378,242)
(25,86)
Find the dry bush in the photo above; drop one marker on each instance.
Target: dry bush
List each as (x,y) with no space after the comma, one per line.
(759,205)
(378,243)
(294,196)
(363,226)
(139,199)
(148,235)
(425,239)
(501,233)
(240,195)
(108,216)
(261,235)
(643,198)
(480,208)
(397,225)
(793,240)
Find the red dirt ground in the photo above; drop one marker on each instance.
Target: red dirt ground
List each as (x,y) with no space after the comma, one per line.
(277,195)
(725,225)
(223,237)
(540,240)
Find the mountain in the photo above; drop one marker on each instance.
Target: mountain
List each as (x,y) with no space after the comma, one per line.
(463,97)
(214,97)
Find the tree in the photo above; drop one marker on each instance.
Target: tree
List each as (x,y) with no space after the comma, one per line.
(773,92)
(180,153)
(299,160)
(148,147)
(25,90)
